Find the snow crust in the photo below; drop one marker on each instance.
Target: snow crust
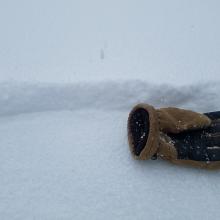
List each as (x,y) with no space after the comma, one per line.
(70,71)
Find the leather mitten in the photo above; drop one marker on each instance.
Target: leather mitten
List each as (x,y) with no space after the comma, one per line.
(178,135)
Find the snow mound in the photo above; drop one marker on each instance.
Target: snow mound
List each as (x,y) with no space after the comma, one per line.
(17,98)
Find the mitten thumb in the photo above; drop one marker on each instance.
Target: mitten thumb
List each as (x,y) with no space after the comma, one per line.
(175,120)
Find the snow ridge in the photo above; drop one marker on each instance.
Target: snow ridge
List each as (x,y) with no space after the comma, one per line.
(22,97)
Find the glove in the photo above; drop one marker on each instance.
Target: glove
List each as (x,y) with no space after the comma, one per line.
(172,134)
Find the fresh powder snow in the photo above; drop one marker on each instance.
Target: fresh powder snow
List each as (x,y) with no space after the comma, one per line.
(70,72)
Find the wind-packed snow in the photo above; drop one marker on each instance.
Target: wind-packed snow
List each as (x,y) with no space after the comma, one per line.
(70,71)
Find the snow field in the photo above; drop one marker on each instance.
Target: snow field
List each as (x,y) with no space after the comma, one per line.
(71,165)
(64,155)
(70,71)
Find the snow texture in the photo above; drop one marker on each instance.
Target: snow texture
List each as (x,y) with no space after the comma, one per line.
(70,71)
(17,98)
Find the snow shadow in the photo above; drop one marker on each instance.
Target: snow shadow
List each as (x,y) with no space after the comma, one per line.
(17,98)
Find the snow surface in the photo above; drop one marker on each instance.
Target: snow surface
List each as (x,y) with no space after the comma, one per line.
(70,71)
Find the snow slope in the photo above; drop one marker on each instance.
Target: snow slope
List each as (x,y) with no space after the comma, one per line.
(70,71)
